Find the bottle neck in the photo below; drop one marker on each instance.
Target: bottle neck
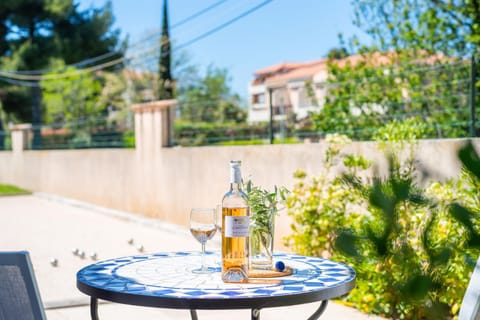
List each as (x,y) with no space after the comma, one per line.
(235,179)
(235,186)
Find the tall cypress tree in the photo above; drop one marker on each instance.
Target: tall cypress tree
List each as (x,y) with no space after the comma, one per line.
(166,84)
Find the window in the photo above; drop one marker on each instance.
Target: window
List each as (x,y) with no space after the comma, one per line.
(303,100)
(258,98)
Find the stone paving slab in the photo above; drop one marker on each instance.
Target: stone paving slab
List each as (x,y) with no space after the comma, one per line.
(49,227)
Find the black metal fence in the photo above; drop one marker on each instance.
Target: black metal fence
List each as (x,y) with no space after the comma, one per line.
(447,113)
(445,100)
(5,140)
(98,132)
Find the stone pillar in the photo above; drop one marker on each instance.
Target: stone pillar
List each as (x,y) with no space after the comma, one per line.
(154,125)
(20,136)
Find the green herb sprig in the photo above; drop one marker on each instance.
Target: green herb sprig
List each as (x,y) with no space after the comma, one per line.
(264,204)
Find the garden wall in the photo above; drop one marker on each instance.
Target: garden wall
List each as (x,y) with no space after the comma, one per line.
(165,183)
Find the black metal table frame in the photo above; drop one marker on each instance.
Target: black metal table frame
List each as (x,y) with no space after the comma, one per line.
(192,304)
(193,312)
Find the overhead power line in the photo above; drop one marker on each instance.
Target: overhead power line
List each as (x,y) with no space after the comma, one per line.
(113,53)
(36,77)
(211,31)
(62,75)
(77,64)
(19,82)
(197,14)
(223,25)
(157,34)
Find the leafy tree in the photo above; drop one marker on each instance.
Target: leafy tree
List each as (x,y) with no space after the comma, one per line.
(310,91)
(89,33)
(211,99)
(143,80)
(80,102)
(415,68)
(337,53)
(35,31)
(186,73)
(371,89)
(27,23)
(72,98)
(451,27)
(112,93)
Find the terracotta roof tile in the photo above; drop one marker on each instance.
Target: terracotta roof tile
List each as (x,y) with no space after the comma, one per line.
(289,70)
(278,67)
(280,73)
(307,71)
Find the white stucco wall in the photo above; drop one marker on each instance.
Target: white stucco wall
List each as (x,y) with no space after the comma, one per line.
(166,182)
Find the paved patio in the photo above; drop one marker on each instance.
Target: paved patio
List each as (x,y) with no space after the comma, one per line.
(49,227)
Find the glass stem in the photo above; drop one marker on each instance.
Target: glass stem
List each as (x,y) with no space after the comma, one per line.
(203,257)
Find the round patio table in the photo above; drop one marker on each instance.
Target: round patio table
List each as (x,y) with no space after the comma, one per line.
(165,280)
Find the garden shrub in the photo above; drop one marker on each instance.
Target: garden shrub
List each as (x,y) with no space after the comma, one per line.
(57,140)
(412,250)
(230,133)
(205,133)
(318,207)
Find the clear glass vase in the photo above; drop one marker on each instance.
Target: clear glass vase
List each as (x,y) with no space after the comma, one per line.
(261,243)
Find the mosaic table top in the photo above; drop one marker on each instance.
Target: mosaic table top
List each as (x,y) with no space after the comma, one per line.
(166,280)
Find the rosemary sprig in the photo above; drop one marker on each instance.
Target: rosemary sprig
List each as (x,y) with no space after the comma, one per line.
(264,205)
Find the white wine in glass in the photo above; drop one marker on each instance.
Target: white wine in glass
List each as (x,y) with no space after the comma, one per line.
(203,225)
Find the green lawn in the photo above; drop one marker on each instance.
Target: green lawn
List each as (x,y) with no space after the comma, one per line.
(9,190)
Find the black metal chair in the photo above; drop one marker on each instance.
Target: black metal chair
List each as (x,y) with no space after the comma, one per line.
(19,294)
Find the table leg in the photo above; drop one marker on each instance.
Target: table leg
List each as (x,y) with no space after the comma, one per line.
(193,314)
(94,308)
(255,314)
(319,311)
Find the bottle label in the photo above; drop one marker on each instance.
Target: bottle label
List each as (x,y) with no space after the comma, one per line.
(237,226)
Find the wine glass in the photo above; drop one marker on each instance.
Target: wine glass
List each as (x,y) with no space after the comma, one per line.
(203,227)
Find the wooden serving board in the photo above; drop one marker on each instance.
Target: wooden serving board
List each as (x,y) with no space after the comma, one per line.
(255,273)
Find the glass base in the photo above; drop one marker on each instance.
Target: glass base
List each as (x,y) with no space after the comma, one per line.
(204,270)
(235,275)
(261,263)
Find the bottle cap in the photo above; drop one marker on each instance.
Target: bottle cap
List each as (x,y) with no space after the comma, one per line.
(235,163)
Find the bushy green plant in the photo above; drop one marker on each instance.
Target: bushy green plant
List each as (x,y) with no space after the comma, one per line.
(319,206)
(393,253)
(412,250)
(81,139)
(128,139)
(204,133)
(371,88)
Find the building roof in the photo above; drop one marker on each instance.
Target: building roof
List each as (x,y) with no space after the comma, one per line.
(289,71)
(281,73)
(279,67)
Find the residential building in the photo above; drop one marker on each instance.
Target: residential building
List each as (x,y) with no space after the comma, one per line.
(295,88)
(301,87)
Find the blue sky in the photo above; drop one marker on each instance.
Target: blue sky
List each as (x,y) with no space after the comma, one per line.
(282,30)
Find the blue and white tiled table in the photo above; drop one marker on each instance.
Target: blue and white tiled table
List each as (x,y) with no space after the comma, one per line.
(165,280)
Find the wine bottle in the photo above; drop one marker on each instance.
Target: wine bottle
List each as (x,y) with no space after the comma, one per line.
(235,229)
